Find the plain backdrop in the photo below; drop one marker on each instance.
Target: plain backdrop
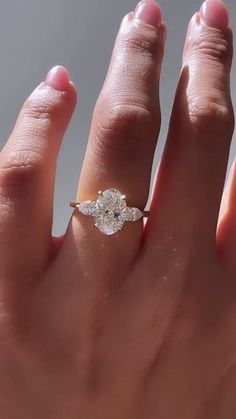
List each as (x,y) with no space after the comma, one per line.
(38,34)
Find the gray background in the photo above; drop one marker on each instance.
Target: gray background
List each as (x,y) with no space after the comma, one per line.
(37,34)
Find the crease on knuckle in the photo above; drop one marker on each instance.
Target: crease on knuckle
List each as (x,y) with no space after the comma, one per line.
(212,47)
(123,127)
(141,44)
(209,118)
(41,109)
(19,170)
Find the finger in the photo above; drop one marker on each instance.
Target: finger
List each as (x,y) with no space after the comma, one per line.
(190,182)
(27,173)
(122,140)
(226,231)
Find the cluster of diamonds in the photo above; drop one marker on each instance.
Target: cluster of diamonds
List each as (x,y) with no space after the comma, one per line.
(110,211)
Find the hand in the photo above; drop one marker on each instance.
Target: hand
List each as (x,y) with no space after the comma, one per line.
(140,324)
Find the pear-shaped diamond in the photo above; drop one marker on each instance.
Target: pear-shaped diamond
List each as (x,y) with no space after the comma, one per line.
(132,214)
(89,208)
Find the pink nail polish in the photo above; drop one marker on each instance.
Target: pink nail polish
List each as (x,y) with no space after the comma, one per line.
(148,11)
(58,78)
(215,13)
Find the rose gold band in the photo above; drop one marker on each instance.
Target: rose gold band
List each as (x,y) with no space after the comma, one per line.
(74,204)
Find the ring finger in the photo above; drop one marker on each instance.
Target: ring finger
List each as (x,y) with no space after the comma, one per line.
(122,141)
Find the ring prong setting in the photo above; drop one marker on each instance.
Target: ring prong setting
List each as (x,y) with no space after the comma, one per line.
(110,211)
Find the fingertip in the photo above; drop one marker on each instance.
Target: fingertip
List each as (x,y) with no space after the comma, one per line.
(58,78)
(149,11)
(57,88)
(215,13)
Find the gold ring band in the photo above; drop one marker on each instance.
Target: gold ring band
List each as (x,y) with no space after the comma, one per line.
(75,204)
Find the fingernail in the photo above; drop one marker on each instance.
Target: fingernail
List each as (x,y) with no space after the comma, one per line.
(215,13)
(58,78)
(148,11)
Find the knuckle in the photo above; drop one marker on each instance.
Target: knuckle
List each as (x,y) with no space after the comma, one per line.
(216,51)
(141,43)
(19,170)
(124,126)
(37,111)
(44,107)
(210,118)
(209,107)
(140,39)
(212,46)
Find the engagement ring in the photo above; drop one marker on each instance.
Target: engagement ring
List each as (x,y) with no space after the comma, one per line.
(110,211)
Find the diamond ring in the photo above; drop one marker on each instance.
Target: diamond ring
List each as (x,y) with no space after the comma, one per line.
(110,211)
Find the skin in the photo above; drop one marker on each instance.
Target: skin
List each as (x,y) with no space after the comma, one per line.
(140,324)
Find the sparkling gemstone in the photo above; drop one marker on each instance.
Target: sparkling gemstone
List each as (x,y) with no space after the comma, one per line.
(111,204)
(111,200)
(89,208)
(110,211)
(132,214)
(109,224)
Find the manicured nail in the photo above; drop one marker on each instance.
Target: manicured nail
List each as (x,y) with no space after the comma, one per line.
(148,11)
(215,14)
(58,78)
